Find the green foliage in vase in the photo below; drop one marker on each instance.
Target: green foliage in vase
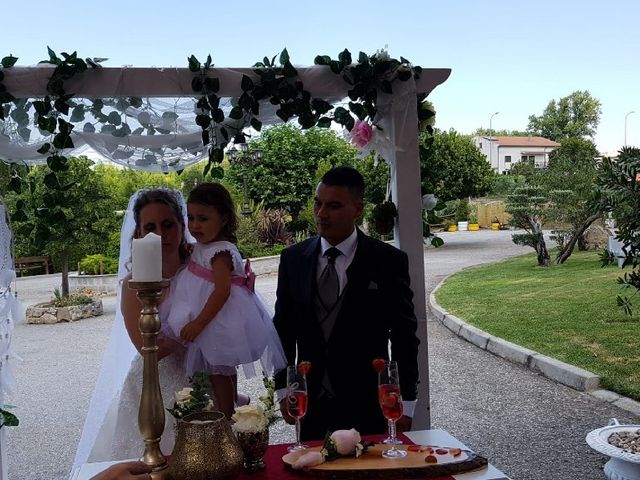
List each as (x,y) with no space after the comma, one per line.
(193,399)
(269,400)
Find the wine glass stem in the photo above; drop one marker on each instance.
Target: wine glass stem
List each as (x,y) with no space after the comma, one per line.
(392,433)
(298,431)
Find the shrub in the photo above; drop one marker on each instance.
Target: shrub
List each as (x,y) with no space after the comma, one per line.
(272,226)
(463,210)
(90,265)
(72,299)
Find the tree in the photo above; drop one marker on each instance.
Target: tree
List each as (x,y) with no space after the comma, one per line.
(66,214)
(619,193)
(570,179)
(576,115)
(286,175)
(527,206)
(452,167)
(485,132)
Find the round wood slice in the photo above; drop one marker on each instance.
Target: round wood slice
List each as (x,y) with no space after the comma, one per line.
(373,465)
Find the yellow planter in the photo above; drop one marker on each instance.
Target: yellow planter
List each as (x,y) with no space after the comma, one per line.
(495,226)
(474,227)
(452,228)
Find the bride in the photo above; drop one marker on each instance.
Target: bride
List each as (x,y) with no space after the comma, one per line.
(111,428)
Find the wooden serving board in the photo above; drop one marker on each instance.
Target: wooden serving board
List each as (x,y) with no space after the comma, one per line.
(373,465)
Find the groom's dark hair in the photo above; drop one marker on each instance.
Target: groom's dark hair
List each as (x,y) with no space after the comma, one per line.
(345,177)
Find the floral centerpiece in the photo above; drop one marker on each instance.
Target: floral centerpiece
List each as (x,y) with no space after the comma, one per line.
(251,426)
(193,399)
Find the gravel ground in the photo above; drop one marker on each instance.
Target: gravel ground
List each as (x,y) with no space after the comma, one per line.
(527,425)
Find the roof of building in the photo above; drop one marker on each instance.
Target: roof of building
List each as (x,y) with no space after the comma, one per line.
(525,142)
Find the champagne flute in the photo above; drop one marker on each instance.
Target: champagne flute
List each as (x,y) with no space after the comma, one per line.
(296,401)
(391,404)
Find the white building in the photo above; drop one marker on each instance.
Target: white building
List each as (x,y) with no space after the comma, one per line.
(503,152)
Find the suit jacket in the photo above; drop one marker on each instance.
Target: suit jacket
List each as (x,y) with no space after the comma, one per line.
(376,307)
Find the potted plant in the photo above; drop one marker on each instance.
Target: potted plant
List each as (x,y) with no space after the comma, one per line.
(473,220)
(496,224)
(463,211)
(450,226)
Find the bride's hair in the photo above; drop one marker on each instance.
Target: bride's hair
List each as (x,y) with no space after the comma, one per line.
(166,197)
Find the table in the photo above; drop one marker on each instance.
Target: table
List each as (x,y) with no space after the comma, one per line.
(423,437)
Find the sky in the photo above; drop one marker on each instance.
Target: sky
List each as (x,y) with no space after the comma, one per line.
(506,56)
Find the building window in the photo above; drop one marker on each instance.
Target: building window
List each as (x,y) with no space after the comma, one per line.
(507,158)
(480,147)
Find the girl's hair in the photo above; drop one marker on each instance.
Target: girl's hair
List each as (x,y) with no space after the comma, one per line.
(216,196)
(165,197)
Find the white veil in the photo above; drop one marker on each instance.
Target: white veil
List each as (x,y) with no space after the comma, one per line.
(98,431)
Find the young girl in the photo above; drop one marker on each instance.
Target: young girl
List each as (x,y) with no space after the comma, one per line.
(217,313)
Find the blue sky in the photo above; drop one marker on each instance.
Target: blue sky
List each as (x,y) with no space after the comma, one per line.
(507,56)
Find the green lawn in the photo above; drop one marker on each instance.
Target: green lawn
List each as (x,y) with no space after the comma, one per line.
(568,312)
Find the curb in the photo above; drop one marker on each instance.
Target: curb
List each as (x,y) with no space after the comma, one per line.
(569,375)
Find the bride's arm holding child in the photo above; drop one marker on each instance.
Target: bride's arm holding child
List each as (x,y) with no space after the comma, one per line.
(131,308)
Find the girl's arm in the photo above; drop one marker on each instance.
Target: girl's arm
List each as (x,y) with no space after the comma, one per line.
(131,307)
(222,266)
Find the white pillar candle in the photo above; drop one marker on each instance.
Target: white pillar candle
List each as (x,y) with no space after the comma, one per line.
(146,258)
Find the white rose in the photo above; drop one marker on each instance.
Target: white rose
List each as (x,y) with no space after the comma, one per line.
(346,441)
(183,395)
(249,418)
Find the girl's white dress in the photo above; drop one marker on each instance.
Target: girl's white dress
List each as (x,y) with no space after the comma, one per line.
(241,333)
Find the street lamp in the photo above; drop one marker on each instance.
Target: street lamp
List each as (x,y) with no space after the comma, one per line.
(246,158)
(491,142)
(625,126)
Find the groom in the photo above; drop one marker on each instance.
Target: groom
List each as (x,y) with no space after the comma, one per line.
(342,297)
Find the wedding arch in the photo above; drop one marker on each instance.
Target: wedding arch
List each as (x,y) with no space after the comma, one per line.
(164,119)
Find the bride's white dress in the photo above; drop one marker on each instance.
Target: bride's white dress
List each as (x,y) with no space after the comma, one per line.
(111,428)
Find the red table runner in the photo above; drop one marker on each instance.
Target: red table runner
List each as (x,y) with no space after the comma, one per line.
(275,469)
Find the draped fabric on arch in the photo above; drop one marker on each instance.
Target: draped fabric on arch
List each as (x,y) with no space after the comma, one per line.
(11,312)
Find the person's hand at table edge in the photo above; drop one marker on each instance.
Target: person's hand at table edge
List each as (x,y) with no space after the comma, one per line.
(125,471)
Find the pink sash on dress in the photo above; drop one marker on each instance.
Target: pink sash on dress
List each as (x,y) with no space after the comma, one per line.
(248,281)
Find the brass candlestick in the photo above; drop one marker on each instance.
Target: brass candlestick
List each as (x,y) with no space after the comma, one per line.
(151,413)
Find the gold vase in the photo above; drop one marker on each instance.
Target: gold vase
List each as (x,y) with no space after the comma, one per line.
(206,449)
(254,445)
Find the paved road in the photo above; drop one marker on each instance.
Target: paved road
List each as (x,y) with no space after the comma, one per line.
(527,425)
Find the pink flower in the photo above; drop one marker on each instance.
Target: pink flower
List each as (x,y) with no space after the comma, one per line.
(361,133)
(346,441)
(308,460)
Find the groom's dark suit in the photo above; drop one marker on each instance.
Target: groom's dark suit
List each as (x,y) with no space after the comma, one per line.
(376,306)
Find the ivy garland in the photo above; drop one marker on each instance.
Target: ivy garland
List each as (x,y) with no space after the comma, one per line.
(277,83)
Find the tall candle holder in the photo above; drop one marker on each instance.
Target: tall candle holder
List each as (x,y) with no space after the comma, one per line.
(151,413)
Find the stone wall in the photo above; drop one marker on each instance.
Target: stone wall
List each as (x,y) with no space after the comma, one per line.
(47,313)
